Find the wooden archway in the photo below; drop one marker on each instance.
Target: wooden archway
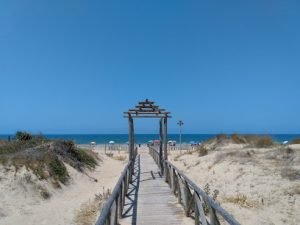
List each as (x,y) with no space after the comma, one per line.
(147,109)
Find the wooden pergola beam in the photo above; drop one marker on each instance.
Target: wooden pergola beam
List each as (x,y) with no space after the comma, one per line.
(147,106)
(147,102)
(150,112)
(133,116)
(146,110)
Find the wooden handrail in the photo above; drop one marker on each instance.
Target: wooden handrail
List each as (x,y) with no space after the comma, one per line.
(192,197)
(112,210)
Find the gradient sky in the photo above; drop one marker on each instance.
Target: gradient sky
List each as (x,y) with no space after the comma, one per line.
(220,66)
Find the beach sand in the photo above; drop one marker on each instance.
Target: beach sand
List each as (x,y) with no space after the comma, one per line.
(21,201)
(256,186)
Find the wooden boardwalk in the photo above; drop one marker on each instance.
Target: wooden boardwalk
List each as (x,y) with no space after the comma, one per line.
(150,200)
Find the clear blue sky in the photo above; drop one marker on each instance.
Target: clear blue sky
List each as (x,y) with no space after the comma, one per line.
(220,66)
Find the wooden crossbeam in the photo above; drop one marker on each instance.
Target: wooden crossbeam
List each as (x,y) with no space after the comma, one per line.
(146,110)
(150,112)
(142,116)
(143,110)
(146,102)
(147,106)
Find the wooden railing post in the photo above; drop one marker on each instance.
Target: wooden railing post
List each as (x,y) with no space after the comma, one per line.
(173,181)
(197,222)
(200,210)
(120,202)
(213,217)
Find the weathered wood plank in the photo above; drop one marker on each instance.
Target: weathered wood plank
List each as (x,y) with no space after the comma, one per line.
(156,203)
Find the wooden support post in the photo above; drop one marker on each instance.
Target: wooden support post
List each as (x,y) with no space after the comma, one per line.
(165,138)
(165,148)
(131,145)
(130,121)
(161,144)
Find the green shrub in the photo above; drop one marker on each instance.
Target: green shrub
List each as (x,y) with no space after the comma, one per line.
(82,156)
(77,158)
(23,136)
(58,170)
(17,146)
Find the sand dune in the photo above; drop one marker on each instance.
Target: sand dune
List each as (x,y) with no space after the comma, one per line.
(257,186)
(21,201)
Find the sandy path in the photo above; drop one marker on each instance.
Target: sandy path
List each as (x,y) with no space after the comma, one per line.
(20,205)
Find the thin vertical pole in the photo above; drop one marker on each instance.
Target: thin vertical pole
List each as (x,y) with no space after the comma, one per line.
(180,138)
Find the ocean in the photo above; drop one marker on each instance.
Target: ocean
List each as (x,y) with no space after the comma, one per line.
(143,138)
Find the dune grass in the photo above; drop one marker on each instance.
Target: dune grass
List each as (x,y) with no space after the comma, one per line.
(253,140)
(296,141)
(88,212)
(45,158)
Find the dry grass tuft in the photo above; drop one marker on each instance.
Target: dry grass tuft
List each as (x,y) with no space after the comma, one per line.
(221,137)
(238,139)
(245,155)
(176,158)
(120,157)
(241,200)
(295,141)
(89,211)
(290,173)
(259,141)
(116,157)
(202,151)
(264,142)
(295,190)
(109,154)
(27,179)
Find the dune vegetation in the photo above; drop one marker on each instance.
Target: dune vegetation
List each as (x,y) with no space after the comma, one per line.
(256,177)
(45,158)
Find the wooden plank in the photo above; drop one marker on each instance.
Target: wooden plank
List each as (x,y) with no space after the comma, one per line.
(156,204)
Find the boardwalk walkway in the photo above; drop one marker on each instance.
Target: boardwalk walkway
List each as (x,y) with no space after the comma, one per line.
(150,200)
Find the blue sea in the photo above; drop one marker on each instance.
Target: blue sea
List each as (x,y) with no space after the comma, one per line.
(143,138)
